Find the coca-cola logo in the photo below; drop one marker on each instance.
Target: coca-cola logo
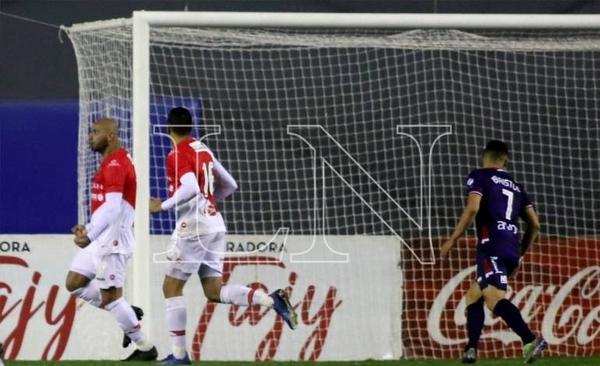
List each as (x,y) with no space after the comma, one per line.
(582,318)
(557,293)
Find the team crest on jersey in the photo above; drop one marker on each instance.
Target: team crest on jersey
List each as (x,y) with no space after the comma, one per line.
(470,182)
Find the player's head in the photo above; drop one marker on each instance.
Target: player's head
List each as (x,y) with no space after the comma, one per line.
(180,122)
(495,154)
(104,134)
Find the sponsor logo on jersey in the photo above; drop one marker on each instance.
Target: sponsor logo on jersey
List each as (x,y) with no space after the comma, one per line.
(97,197)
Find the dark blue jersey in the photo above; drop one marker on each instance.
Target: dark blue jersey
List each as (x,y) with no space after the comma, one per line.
(502,202)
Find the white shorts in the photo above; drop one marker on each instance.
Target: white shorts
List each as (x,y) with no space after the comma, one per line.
(109,270)
(203,255)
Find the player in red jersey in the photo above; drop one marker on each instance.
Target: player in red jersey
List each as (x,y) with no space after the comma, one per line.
(196,181)
(107,241)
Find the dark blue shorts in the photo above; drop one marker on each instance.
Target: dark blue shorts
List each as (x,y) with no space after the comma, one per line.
(492,270)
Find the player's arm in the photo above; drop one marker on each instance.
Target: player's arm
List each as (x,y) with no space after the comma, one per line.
(114,181)
(188,189)
(467,216)
(226,185)
(104,215)
(465,221)
(100,220)
(532,231)
(188,184)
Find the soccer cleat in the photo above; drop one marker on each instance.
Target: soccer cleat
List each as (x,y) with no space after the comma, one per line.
(137,355)
(470,356)
(282,306)
(533,349)
(172,360)
(139,313)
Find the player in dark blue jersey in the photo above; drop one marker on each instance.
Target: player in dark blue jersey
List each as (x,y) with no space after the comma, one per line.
(496,203)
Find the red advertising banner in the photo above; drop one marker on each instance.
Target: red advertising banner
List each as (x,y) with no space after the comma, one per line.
(557,291)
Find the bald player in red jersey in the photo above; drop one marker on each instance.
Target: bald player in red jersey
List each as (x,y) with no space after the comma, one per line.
(99,269)
(196,181)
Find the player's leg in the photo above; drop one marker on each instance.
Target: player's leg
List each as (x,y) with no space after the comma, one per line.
(215,291)
(493,280)
(211,272)
(494,298)
(184,257)
(532,349)
(475,320)
(211,277)
(176,312)
(111,273)
(79,281)
(139,314)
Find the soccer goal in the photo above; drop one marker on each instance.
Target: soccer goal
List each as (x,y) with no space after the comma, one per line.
(350,136)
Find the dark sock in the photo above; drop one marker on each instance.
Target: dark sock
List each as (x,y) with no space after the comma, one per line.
(512,317)
(475,319)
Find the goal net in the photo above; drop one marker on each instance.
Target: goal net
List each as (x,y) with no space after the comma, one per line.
(367,136)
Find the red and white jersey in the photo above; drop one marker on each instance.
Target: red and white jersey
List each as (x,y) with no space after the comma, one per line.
(193,156)
(116,174)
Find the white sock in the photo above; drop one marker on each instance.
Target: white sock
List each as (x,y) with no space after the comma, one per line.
(143,345)
(89,293)
(176,323)
(244,296)
(178,352)
(125,316)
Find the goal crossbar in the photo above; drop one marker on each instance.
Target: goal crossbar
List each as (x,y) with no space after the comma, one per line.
(353,20)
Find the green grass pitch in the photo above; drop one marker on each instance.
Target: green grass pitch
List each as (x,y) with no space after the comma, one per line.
(543,361)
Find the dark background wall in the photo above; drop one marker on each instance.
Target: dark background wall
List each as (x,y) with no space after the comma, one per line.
(39,91)
(35,64)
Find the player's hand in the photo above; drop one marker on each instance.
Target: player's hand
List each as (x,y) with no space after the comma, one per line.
(82,241)
(155,205)
(79,230)
(445,249)
(210,210)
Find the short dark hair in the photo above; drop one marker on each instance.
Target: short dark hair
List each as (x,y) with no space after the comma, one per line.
(496,149)
(180,121)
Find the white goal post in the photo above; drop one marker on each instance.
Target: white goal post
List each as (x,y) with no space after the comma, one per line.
(577,39)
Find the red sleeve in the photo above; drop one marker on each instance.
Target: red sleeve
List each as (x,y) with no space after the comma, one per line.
(114,177)
(180,163)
